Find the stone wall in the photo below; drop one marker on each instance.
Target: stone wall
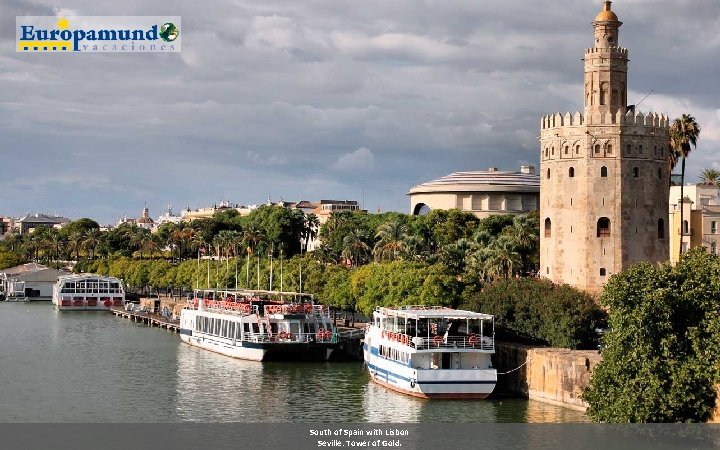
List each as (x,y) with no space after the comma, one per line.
(551,375)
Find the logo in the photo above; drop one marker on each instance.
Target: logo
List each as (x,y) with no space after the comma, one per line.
(95,34)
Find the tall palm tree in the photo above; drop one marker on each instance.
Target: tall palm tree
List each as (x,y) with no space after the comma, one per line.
(55,241)
(392,241)
(93,238)
(710,177)
(75,243)
(502,257)
(310,230)
(684,133)
(355,248)
(525,234)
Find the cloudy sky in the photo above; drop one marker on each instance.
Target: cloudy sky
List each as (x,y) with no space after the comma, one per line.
(311,99)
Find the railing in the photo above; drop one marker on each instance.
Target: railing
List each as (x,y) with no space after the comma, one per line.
(473,341)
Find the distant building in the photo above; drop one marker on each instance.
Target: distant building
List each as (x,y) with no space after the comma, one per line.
(29,282)
(145,221)
(483,192)
(207,212)
(700,221)
(6,225)
(168,217)
(31,221)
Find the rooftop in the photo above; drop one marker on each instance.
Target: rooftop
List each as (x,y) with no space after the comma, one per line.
(476,180)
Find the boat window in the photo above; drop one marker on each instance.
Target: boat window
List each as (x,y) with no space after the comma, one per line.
(256,328)
(246,327)
(294,328)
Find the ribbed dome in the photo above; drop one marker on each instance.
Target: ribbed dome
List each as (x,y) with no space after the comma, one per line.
(606,15)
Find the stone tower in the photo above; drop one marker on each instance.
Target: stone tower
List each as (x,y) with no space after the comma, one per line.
(604,178)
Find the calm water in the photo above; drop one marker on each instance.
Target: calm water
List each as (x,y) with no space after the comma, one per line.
(94,367)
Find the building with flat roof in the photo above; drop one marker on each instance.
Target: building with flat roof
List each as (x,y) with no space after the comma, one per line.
(29,222)
(483,192)
(701,219)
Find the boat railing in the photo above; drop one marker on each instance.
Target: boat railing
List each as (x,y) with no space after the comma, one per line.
(471,341)
(281,337)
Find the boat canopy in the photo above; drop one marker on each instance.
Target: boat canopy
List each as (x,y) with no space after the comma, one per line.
(431,312)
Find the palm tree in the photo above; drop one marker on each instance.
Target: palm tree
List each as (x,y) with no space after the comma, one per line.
(93,238)
(710,177)
(502,257)
(55,240)
(392,241)
(311,227)
(75,243)
(684,133)
(525,234)
(355,248)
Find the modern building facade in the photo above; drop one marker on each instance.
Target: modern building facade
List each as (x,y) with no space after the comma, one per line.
(604,178)
(700,219)
(29,222)
(483,192)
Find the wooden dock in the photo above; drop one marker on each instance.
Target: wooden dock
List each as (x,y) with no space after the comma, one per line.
(153,320)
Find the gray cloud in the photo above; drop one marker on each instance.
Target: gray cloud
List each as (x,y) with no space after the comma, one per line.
(270,98)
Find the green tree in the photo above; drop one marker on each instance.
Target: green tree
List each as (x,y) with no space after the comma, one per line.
(391,241)
(661,361)
(684,133)
(711,177)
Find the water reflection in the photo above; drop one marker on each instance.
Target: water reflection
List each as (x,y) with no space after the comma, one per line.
(215,388)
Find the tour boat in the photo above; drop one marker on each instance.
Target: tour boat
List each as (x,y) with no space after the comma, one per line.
(260,325)
(431,352)
(88,292)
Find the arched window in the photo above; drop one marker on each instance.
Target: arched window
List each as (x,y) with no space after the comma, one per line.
(609,149)
(640,149)
(685,227)
(548,174)
(567,149)
(603,93)
(571,172)
(661,228)
(597,148)
(577,149)
(603,172)
(628,149)
(603,227)
(636,172)
(548,227)
(659,172)
(552,151)
(603,272)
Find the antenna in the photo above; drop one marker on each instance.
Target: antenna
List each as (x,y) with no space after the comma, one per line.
(646,96)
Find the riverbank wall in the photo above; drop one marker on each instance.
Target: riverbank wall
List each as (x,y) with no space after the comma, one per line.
(551,375)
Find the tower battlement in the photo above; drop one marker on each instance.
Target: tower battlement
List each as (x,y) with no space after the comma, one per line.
(651,119)
(614,51)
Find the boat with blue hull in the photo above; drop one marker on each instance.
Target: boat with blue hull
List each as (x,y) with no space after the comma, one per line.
(431,352)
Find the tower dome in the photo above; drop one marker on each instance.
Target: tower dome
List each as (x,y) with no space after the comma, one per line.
(606,15)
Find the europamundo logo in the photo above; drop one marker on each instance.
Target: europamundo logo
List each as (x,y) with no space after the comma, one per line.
(94,34)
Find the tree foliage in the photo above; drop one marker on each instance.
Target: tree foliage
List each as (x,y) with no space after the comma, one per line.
(537,309)
(661,359)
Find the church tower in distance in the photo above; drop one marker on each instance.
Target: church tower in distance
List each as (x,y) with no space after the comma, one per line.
(604,178)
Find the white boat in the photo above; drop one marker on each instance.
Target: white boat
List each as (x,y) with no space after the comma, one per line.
(260,325)
(88,292)
(431,352)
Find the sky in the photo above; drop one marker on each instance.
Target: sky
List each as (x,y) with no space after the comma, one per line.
(323,99)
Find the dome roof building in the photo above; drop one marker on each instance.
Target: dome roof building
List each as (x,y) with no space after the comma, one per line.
(483,192)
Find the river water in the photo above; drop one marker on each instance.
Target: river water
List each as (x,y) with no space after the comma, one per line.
(95,367)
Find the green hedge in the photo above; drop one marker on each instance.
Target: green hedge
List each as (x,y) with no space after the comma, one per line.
(537,309)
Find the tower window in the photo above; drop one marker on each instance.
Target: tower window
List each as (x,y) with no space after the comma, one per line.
(636,172)
(661,229)
(609,149)
(548,227)
(548,174)
(603,227)
(685,227)
(552,151)
(603,272)
(640,149)
(659,172)
(628,149)
(571,172)
(567,149)
(577,149)
(603,172)
(597,148)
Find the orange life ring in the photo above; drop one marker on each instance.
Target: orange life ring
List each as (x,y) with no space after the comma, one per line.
(107,303)
(473,340)
(438,340)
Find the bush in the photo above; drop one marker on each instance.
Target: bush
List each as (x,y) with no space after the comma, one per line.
(662,356)
(557,315)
